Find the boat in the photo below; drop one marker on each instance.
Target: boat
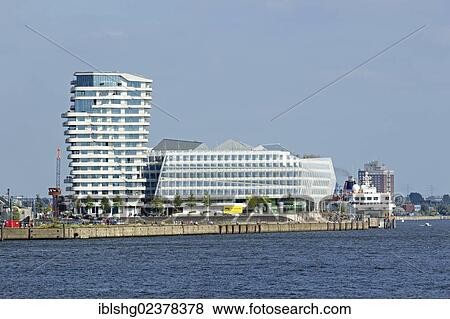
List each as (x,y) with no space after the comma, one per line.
(426,225)
(365,199)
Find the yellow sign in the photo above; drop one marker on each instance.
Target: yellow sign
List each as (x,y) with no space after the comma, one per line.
(232,209)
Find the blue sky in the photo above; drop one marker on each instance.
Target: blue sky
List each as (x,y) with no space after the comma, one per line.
(225,68)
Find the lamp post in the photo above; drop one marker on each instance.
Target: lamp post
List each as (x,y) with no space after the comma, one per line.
(9,206)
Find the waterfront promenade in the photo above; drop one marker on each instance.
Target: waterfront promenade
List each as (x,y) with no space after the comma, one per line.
(139,230)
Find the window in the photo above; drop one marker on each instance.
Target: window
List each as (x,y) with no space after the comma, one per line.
(135,84)
(83,105)
(134,102)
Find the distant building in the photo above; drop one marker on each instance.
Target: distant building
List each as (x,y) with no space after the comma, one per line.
(381,177)
(409,208)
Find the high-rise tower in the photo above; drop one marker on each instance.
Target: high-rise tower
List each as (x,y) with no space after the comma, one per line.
(381,177)
(107,130)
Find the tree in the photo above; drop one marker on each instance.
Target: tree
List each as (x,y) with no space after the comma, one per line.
(207,201)
(157,204)
(78,205)
(89,203)
(416,198)
(105,204)
(117,203)
(177,202)
(191,201)
(15,213)
(38,204)
(289,199)
(446,199)
(252,202)
(424,208)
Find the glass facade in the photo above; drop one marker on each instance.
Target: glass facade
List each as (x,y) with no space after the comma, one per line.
(239,174)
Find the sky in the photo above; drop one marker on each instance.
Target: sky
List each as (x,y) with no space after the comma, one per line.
(225,68)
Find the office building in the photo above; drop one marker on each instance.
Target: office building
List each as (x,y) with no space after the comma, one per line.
(234,171)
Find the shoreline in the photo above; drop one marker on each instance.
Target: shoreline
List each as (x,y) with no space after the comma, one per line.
(139,230)
(420,218)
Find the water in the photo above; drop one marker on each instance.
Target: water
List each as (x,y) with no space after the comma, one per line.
(408,262)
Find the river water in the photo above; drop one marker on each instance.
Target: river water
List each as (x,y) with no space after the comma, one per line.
(411,261)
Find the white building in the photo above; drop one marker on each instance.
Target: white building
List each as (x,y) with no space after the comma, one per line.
(107,129)
(234,171)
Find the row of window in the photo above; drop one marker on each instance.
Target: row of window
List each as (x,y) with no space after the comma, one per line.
(105,152)
(114,192)
(219,165)
(105,168)
(86,105)
(243,183)
(232,157)
(105,136)
(104,160)
(113,93)
(107,80)
(99,144)
(241,192)
(113,184)
(107,128)
(221,174)
(370,198)
(119,111)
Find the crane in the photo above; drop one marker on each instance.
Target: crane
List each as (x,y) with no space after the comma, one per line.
(55,192)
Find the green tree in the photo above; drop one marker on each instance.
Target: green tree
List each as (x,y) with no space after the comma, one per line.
(157,204)
(16,213)
(117,204)
(446,199)
(252,202)
(177,202)
(416,198)
(106,205)
(191,203)
(89,203)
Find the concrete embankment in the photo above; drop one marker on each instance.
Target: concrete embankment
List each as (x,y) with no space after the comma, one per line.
(115,231)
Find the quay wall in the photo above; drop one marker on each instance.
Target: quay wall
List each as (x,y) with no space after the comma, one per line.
(117,231)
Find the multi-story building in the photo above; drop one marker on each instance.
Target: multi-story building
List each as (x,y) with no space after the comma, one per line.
(381,177)
(107,128)
(234,171)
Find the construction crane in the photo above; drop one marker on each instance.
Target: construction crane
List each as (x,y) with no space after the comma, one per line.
(55,192)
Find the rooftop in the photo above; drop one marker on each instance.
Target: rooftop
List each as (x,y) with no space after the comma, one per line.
(126,76)
(169,144)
